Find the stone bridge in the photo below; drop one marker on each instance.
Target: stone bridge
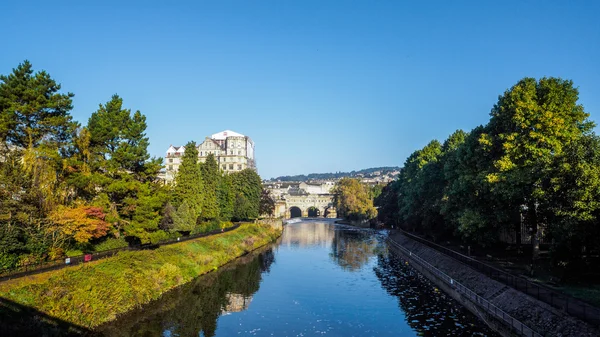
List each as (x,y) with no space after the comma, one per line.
(305,205)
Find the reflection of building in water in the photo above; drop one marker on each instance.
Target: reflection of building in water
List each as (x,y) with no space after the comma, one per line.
(308,234)
(236,303)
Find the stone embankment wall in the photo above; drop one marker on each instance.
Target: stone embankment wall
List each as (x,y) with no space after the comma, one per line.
(531,312)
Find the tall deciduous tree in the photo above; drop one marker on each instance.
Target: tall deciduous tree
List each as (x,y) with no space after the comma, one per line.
(267,204)
(352,200)
(247,185)
(531,125)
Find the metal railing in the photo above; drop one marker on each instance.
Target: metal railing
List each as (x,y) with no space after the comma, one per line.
(486,305)
(36,268)
(558,300)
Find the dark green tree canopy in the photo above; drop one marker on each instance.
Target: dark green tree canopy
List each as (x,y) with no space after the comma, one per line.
(32,110)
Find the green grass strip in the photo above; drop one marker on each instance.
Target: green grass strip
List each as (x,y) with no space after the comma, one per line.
(94,293)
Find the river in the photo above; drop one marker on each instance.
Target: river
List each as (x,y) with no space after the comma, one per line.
(319,279)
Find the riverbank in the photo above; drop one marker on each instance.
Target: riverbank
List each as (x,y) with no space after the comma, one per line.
(95,293)
(531,312)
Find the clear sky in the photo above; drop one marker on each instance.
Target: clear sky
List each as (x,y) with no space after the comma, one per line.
(320,86)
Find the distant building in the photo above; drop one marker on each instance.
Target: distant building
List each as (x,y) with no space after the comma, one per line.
(233,152)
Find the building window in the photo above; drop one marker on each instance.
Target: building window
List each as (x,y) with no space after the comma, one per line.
(224,167)
(239,167)
(170,167)
(170,160)
(231,166)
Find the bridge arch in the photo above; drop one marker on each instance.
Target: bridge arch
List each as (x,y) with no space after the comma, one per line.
(295,212)
(314,212)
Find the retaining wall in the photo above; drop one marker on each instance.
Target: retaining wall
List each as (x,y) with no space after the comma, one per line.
(534,314)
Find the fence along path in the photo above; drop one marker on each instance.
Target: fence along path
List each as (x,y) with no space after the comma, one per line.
(558,300)
(516,325)
(31,269)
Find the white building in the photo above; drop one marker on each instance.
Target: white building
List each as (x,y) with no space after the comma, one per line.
(233,152)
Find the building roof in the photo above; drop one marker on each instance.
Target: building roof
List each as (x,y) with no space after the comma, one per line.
(173,149)
(224,134)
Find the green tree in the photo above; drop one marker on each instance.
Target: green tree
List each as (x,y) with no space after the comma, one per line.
(531,125)
(419,180)
(225,197)
(188,181)
(267,204)
(32,111)
(247,187)
(387,203)
(209,171)
(184,220)
(352,200)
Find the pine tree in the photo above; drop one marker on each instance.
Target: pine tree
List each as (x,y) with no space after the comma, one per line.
(188,182)
(210,177)
(225,197)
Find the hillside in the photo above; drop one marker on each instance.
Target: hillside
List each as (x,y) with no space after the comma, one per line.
(370,172)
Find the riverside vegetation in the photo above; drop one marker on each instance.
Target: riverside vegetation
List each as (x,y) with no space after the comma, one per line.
(94,293)
(67,188)
(535,164)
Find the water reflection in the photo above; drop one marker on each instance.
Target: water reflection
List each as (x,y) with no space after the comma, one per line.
(193,309)
(329,280)
(429,311)
(352,248)
(312,234)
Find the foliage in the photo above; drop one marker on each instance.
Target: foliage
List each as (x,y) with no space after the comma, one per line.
(209,170)
(534,164)
(110,243)
(82,223)
(352,200)
(188,182)
(184,220)
(225,197)
(267,204)
(33,112)
(136,277)
(246,186)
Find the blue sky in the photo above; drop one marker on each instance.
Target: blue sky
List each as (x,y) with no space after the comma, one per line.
(320,86)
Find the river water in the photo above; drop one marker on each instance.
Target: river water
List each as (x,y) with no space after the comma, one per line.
(319,279)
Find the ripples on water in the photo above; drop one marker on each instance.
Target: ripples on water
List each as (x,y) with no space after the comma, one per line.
(320,279)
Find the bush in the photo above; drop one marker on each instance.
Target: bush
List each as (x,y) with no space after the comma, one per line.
(110,243)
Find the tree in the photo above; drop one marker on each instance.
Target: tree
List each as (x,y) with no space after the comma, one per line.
(184,220)
(242,208)
(530,126)
(247,187)
(32,111)
(267,204)
(81,223)
(387,203)
(225,197)
(209,171)
(419,179)
(352,201)
(188,181)
(167,222)
(118,140)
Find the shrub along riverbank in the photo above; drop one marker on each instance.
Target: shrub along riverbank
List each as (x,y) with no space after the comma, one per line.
(96,293)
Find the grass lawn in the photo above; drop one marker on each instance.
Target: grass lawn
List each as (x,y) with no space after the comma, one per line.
(91,294)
